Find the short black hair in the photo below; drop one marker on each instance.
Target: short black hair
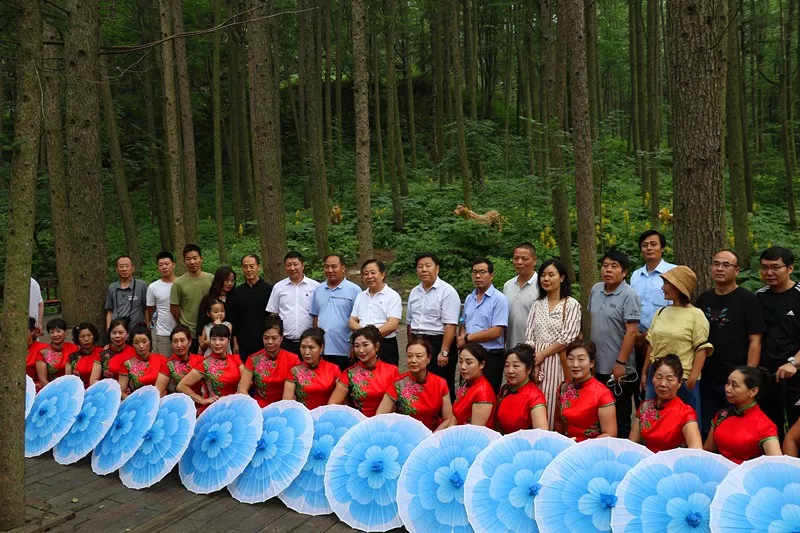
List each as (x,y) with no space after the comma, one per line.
(524,353)
(180,328)
(123,256)
(165,255)
(380,264)
(293,254)
(527,246)
(254,256)
(489,264)
(566,286)
(649,233)
(192,248)
(140,328)
(76,332)
(619,257)
(219,330)
(56,323)
(774,253)
(338,256)
(424,255)
(273,321)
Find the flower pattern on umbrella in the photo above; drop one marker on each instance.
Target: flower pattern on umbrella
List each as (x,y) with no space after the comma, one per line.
(53,413)
(100,405)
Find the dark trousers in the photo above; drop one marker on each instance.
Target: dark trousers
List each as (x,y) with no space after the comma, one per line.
(495,361)
(624,402)
(342,361)
(388,352)
(712,398)
(291,346)
(641,353)
(779,401)
(448,372)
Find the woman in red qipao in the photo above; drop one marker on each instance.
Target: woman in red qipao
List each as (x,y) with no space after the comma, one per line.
(145,367)
(51,361)
(742,431)
(181,362)
(419,393)
(364,384)
(666,422)
(219,370)
(313,380)
(34,347)
(521,404)
(81,363)
(475,398)
(586,405)
(268,369)
(116,352)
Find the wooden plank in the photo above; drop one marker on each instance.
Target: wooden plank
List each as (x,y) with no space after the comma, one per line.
(288,522)
(316,524)
(267,513)
(165,520)
(47,523)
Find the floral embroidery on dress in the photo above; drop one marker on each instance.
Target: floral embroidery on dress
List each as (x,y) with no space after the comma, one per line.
(722,415)
(461,392)
(263,369)
(593,431)
(568,393)
(214,369)
(359,380)
(178,370)
(303,377)
(136,369)
(408,392)
(51,358)
(648,414)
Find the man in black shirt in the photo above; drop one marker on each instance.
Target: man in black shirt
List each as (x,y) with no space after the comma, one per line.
(246,306)
(736,330)
(780,352)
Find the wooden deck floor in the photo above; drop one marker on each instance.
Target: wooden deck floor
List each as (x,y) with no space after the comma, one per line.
(73,498)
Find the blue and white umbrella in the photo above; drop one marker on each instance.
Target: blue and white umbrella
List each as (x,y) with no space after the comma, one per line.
(30,394)
(54,411)
(361,475)
(669,492)
(164,443)
(134,419)
(759,495)
(579,487)
(280,454)
(224,442)
(504,480)
(430,490)
(306,494)
(100,404)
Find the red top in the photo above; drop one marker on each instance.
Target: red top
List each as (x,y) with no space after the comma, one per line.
(30,361)
(221,374)
(56,361)
(141,372)
(580,404)
(514,405)
(475,391)
(661,425)
(82,364)
(269,375)
(176,369)
(313,386)
(111,360)
(740,434)
(367,386)
(422,400)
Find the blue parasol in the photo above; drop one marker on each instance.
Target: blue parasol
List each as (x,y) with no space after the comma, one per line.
(164,443)
(280,454)
(759,495)
(669,492)
(579,487)
(135,417)
(430,490)
(504,480)
(306,494)
(361,475)
(53,413)
(224,442)
(100,404)
(30,394)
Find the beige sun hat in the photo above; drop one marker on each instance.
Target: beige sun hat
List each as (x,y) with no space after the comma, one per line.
(683,278)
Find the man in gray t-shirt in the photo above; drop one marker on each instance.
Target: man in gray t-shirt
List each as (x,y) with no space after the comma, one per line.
(615,311)
(126,298)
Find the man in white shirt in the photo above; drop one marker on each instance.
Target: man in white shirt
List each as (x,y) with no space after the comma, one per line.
(291,301)
(158,294)
(36,305)
(433,310)
(521,291)
(380,306)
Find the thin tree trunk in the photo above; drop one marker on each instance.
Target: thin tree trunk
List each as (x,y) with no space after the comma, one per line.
(361,101)
(748,169)
(378,127)
(438,75)
(507,95)
(219,188)
(246,163)
(19,252)
(391,114)
(634,108)
(327,85)
(653,101)
(641,77)
(590,10)
(785,106)
(235,143)
(458,105)
(339,62)
(412,134)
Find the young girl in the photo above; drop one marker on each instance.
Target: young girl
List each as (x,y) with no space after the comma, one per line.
(216,315)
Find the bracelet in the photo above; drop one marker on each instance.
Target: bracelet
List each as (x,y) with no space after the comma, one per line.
(623,363)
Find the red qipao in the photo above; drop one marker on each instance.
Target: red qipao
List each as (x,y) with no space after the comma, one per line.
(740,434)
(30,360)
(269,375)
(55,360)
(580,404)
(661,425)
(367,386)
(220,374)
(142,372)
(422,400)
(82,364)
(176,369)
(478,390)
(111,360)
(313,386)
(514,406)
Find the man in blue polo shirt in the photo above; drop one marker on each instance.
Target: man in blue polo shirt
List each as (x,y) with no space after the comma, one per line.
(485,319)
(331,305)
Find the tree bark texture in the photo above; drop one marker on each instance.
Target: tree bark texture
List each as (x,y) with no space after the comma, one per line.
(458,105)
(653,103)
(376,78)
(219,188)
(361,98)
(391,114)
(785,111)
(412,134)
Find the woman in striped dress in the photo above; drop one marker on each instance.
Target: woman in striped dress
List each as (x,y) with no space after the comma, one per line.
(553,323)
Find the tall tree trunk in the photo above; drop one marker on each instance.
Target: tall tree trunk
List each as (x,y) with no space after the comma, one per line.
(458,105)
(123,198)
(19,252)
(592,67)
(509,51)
(171,132)
(785,107)
(641,112)
(327,85)
(412,134)
(634,108)
(247,174)
(391,114)
(361,102)
(523,86)
(748,169)
(653,103)
(735,141)
(265,126)
(439,91)
(580,92)
(339,62)
(234,140)
(376,73)
(694,28)
(219,188)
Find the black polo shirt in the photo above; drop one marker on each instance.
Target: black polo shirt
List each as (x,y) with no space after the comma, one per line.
(247,308)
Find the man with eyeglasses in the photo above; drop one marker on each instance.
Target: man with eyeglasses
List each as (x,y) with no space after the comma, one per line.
(616,311)
(736,328)
(485,319)
(780,350)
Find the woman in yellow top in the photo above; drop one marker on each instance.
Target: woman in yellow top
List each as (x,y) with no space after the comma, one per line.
(680,329)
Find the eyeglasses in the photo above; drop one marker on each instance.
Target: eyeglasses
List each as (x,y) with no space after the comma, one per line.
(480,272)
(723,264)
(771,268)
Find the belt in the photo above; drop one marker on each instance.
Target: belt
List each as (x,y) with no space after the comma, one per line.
(421,334)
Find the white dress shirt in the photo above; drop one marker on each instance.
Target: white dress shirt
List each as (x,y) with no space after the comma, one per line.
(378,309)
(428,312)
(292,302)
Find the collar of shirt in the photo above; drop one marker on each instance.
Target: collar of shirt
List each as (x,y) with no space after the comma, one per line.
(514,390)
(618,290)
(305,281)
(662,405)
(740,412)
(420,381)
(489,292)
(529,282)
(383,290)
(660,268)
(581,384)
(436,284)
(339,286)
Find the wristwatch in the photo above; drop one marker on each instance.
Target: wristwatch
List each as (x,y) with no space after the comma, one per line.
(444,353)
(794,362)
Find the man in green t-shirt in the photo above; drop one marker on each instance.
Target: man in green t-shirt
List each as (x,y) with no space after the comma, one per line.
(189,289)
